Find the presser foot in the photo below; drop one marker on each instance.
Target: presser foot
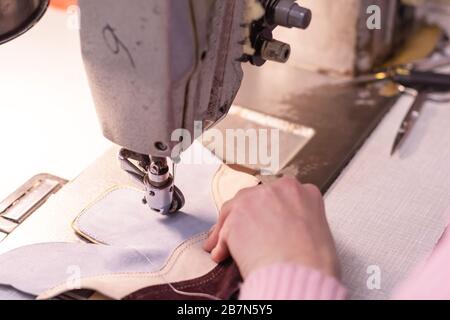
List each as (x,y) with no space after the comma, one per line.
(161,194)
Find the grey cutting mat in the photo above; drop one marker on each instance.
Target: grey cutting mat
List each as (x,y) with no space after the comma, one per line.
(389,212)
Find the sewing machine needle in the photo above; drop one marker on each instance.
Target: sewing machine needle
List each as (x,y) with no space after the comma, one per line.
(410,120)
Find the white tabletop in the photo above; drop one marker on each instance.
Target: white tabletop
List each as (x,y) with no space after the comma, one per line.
(47,117)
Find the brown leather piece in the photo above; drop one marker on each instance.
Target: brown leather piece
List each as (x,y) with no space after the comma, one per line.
(222,282)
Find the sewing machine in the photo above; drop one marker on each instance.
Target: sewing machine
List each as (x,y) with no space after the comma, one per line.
(150,87)
(150,93)
(148,83)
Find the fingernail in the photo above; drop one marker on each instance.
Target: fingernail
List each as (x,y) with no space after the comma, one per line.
(214,254)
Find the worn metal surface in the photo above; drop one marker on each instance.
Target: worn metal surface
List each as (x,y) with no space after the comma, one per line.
(342,116)
(18,206)
(264,154)
(22,207)
(158,66)
(7,226)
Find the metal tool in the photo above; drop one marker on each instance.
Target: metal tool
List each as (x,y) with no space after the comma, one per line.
(158,68)
(422,84)
(160,192)
(18,206)
(410,120)
(407,77)
(421,97)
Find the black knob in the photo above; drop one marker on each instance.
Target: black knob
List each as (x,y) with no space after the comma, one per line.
(289,14)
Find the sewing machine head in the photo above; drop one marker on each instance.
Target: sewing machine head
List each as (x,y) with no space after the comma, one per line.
(158,67)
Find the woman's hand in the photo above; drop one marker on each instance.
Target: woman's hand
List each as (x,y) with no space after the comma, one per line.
(281,222)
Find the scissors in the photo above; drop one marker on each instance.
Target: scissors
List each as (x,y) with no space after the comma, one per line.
(421,84)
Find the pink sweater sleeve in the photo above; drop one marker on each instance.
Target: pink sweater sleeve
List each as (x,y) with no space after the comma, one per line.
(431,280)
(291,282)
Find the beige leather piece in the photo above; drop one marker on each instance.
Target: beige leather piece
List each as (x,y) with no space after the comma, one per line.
(227,182)
(117,286)
(188,261)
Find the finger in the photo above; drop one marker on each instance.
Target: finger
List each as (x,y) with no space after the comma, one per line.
(220,253)
(213,237)
(225,211)
(206,245)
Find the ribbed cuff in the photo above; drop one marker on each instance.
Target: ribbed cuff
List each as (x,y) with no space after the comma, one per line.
(291,282)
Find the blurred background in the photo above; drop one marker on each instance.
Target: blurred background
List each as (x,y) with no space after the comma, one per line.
(47,117)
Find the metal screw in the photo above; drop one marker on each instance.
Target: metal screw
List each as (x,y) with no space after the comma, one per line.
(275,50)
(160,146)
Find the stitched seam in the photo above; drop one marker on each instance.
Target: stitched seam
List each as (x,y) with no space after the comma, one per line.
(213,275)
(169,264)
(80,229)
(125,275)
(215,186)
(76,224)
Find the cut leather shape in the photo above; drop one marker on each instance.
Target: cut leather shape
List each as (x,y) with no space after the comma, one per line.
(36,268)
(118,285)
(111,270)
(226,184)
(223,283)
(130,251)
(9,293)
(120,219)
